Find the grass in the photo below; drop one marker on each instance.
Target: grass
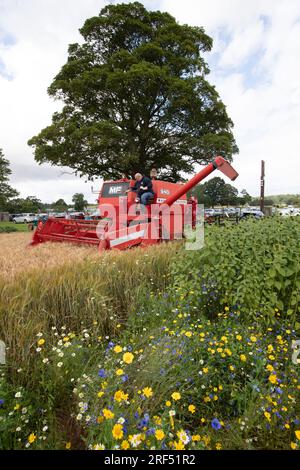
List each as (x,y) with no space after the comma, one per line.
(14,227)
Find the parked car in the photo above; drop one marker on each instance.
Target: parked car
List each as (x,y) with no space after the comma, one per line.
(256,213)
(209,212)
(24,218)
(12,216)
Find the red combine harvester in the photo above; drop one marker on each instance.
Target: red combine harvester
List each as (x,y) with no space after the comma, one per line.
(123,223)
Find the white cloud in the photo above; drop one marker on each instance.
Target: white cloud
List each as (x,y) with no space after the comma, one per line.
(265,107)
(255,68)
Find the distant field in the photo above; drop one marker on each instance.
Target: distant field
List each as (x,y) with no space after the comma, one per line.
(19,227)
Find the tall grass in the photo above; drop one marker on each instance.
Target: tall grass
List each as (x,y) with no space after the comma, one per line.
(98,292)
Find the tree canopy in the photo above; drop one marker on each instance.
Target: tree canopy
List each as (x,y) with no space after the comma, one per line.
(6,191)
(79,202)
(216,192)
(135,96)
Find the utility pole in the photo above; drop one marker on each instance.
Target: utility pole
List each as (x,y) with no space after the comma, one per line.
(262,187)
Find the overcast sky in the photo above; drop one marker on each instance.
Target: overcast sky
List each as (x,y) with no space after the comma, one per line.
(255,65)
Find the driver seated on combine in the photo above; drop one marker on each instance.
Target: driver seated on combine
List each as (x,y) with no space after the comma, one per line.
(143,187)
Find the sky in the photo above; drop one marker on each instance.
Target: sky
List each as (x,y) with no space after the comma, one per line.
(254,65)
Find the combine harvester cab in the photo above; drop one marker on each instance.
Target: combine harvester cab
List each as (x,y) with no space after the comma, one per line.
(123,223)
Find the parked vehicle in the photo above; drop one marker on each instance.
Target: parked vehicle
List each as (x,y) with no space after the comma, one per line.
(12,216)
(24,218)
(256,213)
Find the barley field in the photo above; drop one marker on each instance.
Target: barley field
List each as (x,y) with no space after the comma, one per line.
(16,256)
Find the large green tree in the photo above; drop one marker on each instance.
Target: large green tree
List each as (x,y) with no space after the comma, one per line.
(135,96)
(79,202)
(6,191)
(216,192)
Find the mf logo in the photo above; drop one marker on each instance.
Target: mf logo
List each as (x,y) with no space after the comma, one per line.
(165,191)
(115,190)
(296,352)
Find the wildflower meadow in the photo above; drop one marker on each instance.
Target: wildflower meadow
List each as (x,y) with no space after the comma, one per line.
(156,349)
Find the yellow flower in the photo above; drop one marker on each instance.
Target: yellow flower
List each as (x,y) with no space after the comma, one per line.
(178,445)
(107,414)
(99,394)
(205,370)
(270,368)
(128,357)
(117,431)
(226,309)
(176,396)
(192,409)
(218,446)
(293,445)
(231,367)
(253,339)
(120,396)
(119,372)
(118,349)
(68,445)
(243,358)
(41,342)
(147,391)
(159,434)
(125,445)
(239,337)
(273,379)
(196,438)
(297,433)
(168,403)
(31,438)
(267,415)
(100,419)
(157,420)
(188,334)
(66,339)
(17,407)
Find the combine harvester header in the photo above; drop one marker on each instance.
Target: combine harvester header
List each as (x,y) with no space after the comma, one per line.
(123,223)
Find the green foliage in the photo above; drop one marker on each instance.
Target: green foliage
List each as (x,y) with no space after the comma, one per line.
(216,192)
(7,228)
(136,96)
(30,204)
(79,202)
(60,205)
(6,191)
(254,266)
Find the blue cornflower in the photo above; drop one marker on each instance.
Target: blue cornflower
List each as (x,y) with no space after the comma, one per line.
(216,424)
(102,373)
(1,401)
